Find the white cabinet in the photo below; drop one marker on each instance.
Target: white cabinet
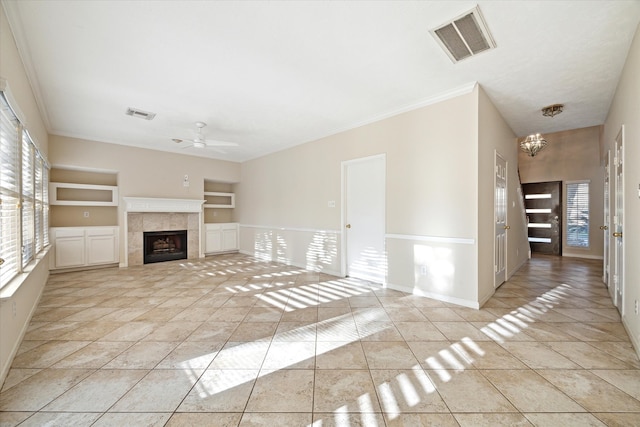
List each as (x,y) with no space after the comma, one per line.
(221,237)
(84,246)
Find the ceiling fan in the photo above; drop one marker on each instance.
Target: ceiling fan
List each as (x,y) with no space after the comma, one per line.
(201,142)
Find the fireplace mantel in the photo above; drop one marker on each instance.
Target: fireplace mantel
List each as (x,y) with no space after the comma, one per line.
(152,204)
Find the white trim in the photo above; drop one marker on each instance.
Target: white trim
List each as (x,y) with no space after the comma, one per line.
(304,230)
(439,297)
(149,204)
(13,104)
(436,239)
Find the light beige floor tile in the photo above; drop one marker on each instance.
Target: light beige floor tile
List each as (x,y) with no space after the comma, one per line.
(337,329)
(538,355)
(97,392)
(441,314)
(290,355)
(389,355)
(564,420)
(441,355)
(587,356)
(213,332)
(51,330)
(590,391)
(12,419)
(406,391)
(192,419)
(626,380)
(283,391)
(405,315)
(159,391)
(295,331)
(40,419)
(491,420)
(131,331)
(468,391)
(338,419)
(191,356)
(94,355)
(47,354)
(378,331)
(241,355)
(220,390)
(142,355)
(133,419)
(455,331)
(90,331)
(340,355)
(620,350)
(619,419)
(263,314)
(172,331)
(16,376)
(350,391)
(419,331)
(254,331)
(530,392)
(267,419)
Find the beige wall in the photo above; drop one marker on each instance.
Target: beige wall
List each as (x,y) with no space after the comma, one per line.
(625,110)
(494,135)
(431,196)
(17,307)
(572,155)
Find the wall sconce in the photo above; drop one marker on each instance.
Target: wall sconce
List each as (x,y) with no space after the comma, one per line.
(533,144)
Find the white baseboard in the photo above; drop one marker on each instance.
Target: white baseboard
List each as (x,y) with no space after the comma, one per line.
(443,298)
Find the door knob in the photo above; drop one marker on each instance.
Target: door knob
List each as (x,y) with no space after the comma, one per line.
(348,225)
(604,227)
(1,261)
(616,234)
(507,227)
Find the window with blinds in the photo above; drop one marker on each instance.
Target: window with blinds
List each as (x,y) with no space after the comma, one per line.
(578,214)
(24,198)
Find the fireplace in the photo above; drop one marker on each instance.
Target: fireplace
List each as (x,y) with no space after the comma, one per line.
(162,246)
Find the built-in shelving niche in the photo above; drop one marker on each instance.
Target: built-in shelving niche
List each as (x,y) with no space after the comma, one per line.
(81,198)
(219,202)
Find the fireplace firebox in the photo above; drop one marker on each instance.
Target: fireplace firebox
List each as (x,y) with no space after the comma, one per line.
(162,246)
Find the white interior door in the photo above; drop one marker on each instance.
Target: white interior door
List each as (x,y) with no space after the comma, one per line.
(500,226)
(618,221)
(364,218)
(607,218)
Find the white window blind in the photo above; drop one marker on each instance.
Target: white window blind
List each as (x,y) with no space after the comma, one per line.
(24,194)
(9,195)
(578,214)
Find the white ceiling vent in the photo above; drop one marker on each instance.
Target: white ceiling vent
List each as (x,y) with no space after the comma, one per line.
(134,112)
(465,36)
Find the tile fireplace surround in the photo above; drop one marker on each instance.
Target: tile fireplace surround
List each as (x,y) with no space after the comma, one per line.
(154,214)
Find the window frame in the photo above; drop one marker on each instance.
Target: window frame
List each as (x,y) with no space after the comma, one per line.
(572,214)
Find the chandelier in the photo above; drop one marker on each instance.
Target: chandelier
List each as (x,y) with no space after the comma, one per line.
(533,144)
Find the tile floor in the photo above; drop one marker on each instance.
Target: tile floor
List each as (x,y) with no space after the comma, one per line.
(233,341)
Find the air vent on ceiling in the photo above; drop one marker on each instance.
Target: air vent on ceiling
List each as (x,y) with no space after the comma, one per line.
(465,36)
(134,112)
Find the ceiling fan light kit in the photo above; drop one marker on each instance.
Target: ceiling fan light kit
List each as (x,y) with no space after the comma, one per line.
(199,141)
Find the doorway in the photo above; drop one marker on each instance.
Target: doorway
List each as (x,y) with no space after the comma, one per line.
(364,218)
(542,201)
(607,218)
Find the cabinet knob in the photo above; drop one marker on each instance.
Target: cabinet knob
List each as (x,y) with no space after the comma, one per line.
(604,227)
(1,261)
(348,226)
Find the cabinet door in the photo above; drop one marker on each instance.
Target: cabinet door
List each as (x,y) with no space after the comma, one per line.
(213,240)
(229,239)
(69,252)
(101,249)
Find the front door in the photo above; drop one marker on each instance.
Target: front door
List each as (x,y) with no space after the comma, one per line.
(618,262)
(500,226)
(544,211)
(364,218)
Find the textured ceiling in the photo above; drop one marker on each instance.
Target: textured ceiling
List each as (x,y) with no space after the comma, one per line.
(271,75)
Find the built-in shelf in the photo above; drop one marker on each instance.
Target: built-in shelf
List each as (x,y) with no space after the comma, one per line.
(63,193)
(214,199)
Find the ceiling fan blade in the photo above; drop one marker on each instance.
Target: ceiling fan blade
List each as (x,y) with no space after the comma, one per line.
(214,143)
